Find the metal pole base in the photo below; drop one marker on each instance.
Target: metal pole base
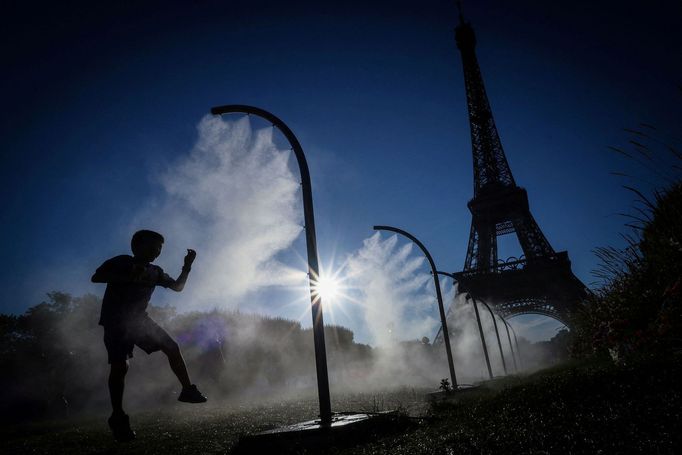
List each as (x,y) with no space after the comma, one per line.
(344,430)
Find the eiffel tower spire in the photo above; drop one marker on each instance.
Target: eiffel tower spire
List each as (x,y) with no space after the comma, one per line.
(491,170)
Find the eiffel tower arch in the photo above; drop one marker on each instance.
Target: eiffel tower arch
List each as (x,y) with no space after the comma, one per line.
(540,281)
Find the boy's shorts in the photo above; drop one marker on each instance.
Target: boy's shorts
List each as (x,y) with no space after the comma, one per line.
(143,332)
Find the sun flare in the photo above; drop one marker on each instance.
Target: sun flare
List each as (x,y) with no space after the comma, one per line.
(327,288)
(332,286)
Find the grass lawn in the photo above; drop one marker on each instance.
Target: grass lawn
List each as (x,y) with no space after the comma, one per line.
(573,408)
(182,428)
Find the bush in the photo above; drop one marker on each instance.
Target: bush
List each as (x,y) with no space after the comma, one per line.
(638,310)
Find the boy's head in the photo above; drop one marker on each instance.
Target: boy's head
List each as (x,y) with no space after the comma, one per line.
(146,245)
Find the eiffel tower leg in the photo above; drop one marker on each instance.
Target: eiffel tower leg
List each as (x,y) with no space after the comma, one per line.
(482,248)
(472,248)
(533,242)
(486,246)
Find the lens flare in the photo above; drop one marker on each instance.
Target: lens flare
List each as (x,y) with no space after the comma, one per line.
(328,288)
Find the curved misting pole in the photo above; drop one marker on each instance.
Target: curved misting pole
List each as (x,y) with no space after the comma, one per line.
(311,243)
(439,296)
(511,346)
(516,340)
(480,328)
(497,334)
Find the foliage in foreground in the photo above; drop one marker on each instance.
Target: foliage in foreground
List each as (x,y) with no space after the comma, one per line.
(639,308)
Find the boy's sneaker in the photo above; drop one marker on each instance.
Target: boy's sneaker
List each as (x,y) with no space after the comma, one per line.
(191,395)
(120,426)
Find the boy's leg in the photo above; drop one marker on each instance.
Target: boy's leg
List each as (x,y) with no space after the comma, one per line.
(152,338)
(177,363)
(119,421)
(119,348)
(189,393)
(117,384)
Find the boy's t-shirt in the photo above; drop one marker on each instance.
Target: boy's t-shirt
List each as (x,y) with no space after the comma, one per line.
(127,300)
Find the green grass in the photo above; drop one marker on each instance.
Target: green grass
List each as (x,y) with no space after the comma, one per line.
(182,428)
(574,408)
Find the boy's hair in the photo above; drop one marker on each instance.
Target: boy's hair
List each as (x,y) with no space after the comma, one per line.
(144,237)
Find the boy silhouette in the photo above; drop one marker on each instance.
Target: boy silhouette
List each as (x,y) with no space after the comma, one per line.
(130,283)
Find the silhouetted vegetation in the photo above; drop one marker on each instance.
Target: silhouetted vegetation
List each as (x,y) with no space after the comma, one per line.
(638,309)
(543,354)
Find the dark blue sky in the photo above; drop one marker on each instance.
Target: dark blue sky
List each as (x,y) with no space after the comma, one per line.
(99,97)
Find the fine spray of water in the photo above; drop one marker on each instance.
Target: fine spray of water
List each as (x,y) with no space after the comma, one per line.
(234,200)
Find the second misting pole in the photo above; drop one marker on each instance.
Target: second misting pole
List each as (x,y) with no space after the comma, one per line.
(506,326)
(497,334)
(439,296)
(480,331)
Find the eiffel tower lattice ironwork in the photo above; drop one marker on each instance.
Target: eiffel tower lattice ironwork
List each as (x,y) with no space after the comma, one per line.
(540,281)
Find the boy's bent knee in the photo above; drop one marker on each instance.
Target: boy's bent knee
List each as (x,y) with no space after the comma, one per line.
(171,348)
(120,367)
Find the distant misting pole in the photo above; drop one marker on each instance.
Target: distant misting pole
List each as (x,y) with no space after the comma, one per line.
(311,243)
(478,321)
(516,340)
(506,326)
(497,334)
(480,331)
(439,296)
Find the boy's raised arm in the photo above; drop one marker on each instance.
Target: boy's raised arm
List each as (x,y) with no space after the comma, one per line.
(179,283)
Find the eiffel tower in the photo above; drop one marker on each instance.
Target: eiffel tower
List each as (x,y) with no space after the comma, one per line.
(540,281)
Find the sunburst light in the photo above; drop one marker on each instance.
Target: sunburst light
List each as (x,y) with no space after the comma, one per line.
(328,288)
(333,288)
